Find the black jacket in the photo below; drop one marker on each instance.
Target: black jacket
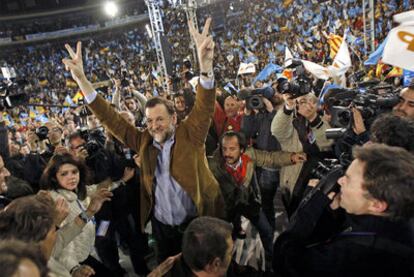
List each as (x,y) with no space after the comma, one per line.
(370,246)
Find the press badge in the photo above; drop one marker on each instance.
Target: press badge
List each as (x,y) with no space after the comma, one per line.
(103,228)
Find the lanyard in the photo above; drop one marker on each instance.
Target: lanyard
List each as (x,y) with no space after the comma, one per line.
(84,210)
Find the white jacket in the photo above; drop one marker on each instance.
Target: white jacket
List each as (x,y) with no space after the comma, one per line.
(82,245)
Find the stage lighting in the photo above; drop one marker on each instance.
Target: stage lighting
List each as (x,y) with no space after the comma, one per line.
(111,9)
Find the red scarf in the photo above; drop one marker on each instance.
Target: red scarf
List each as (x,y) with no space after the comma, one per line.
(240,172)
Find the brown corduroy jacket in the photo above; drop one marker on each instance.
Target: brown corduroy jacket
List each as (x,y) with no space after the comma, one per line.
(189,165)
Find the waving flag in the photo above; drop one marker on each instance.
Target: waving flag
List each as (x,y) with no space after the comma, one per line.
(375,56)
(267,71)
(334,42)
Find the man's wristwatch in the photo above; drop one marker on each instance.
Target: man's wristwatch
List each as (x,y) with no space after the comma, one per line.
(84,216)
(208,75)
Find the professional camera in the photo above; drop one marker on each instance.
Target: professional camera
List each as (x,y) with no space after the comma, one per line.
(93,140)
(370,101)
(8,96)
(300,84)
(328,172)
(253,97)
(42,132)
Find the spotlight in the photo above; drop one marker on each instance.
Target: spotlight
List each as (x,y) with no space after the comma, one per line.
(111,9)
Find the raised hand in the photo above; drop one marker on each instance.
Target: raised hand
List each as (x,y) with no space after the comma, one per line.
(75,64)
(205,46)
(97,199)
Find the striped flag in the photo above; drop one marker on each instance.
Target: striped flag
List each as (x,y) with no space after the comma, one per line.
(78,96)
(334,42)
(395,72)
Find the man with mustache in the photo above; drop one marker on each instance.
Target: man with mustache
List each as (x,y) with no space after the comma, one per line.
(234,166)
(176,183)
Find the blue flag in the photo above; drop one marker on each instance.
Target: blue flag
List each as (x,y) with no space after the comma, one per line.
(267,71)
(408,77)
(375,56)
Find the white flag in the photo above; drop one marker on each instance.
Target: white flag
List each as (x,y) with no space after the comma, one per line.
(246,68)
(399,49)
(316,70)
(342,61)
(288,57)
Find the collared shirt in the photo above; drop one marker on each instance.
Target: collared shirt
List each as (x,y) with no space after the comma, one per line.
(172,204)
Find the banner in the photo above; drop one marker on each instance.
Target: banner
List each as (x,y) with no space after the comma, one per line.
(399,50)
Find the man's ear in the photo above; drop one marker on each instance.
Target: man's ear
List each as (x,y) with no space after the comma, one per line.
(213,266)
(174,118)
(378,206)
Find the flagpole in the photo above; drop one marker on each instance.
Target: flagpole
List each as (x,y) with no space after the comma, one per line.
(365,25)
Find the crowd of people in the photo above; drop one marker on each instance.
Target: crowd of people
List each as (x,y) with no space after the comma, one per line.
(90,166)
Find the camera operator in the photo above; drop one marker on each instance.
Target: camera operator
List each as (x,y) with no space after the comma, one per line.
(377,194)
(256,125)
(406,106)
(299,128)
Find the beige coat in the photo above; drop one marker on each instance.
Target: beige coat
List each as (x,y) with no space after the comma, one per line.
(282,128)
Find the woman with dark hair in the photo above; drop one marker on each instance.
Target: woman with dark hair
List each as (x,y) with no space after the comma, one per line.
(67,177)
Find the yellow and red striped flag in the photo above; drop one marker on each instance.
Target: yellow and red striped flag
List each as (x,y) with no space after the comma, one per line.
(334,42)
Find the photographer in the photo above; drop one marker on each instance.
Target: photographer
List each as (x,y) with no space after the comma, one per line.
(299,128)
(375,240)
(124,214)
(44,142)
(256,125)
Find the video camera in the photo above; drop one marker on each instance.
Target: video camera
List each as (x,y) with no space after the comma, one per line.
(8,96)
(253,97)
(299,85)
(369,98)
